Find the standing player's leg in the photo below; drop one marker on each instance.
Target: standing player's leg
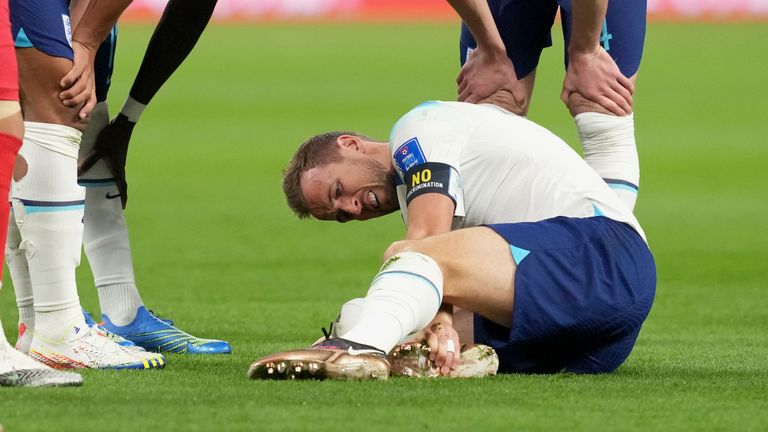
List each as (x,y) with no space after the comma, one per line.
(108,249)
(16,369)
(608,140)
(48,203)
(105,235)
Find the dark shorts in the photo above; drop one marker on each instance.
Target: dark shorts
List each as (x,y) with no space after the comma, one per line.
(43,24)
(525,27)
(104,64)
(583,288)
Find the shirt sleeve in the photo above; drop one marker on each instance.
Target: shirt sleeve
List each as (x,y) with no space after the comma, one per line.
(426,146)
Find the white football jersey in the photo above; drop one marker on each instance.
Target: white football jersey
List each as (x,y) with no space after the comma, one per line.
(496,166)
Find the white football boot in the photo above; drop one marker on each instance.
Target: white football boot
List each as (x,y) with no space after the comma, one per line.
(88,347)
(18,370)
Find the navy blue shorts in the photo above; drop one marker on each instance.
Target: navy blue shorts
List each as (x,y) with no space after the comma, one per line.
(104,64)
(43,24)
(525,26)
(583,288)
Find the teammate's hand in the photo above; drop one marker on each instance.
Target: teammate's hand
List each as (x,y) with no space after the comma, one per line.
(597,78)
(444,345)
(112,146)
(79,83)
(485,74)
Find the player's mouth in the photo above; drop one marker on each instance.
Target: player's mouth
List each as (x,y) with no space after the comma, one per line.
(372,200)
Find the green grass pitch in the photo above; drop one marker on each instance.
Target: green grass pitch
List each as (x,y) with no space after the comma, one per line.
(217,250)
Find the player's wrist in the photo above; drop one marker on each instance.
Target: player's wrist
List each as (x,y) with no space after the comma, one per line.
(493,50)
(89,47)
(132,109)
(583,49)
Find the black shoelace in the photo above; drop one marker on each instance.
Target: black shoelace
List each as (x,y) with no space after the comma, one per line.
(327,333)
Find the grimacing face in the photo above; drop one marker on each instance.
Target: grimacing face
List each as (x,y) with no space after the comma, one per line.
(358,187)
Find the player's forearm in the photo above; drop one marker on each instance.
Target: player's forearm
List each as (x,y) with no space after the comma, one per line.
(477,16)
(97,20)
(588,17)
(178,31)
(428,215)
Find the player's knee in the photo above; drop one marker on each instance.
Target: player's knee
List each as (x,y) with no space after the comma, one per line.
(419,247)
(397,247)
(514,103)
(20,168)
(578,104)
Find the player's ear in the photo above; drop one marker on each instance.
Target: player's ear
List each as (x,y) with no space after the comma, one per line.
(351,142)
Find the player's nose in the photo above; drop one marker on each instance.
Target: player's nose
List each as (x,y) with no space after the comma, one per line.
(352,205)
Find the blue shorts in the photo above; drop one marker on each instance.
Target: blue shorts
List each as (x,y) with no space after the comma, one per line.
(524,26)
(43,24)
(583,288)
(104,64)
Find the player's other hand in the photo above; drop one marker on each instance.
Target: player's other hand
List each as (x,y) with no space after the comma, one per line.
(112,146)
(444,345)
(79,85)
(594,76)
(485,74)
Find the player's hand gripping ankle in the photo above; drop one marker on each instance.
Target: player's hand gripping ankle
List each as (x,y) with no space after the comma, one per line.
(444,344)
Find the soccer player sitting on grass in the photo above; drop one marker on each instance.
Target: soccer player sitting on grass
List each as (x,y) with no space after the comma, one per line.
(503,220)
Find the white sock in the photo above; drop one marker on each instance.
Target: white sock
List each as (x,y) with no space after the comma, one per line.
(350,314)
(402,299)
(609,148)
(105,235)
(48,207)
(22,283)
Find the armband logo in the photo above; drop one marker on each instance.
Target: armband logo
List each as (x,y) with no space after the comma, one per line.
(409,155)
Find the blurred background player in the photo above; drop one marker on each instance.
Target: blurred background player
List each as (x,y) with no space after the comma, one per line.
(501,42)
(45,239)
(103,153)
(16,369)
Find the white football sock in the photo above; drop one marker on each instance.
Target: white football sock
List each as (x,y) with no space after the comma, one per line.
(105,236)
(350,314)
(48,207)
(402,299)
(609,148)
(22,283)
